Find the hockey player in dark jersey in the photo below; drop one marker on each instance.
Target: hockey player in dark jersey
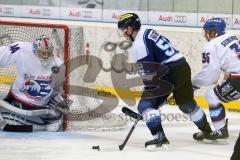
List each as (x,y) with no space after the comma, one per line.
(151,47)
(236,152)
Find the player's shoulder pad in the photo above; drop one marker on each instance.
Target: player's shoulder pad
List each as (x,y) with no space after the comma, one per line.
(153,35)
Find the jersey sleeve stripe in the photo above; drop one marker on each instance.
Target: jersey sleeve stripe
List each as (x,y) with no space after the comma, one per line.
(144,39)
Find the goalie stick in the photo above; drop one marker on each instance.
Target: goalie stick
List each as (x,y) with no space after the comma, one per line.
(15,128)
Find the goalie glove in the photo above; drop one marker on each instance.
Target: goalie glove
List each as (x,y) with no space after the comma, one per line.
(58,101)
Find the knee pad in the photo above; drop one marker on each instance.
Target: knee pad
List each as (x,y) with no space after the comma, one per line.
(211,98)
(144,105)
(188,108)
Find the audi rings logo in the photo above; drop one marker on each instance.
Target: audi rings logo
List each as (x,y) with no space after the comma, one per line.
(180,19)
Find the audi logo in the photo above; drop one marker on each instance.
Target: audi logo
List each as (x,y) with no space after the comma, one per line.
(8,11)
(87,14)
(180,19)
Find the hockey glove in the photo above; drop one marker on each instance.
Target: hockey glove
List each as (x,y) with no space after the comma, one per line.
(58,101)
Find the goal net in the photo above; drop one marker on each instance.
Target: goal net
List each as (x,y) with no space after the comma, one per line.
(70,46)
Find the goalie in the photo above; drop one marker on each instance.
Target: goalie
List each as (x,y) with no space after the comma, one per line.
(35,95)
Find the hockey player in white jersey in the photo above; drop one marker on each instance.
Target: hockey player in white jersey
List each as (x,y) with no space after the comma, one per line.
(151,47)
(220,55)
(36,92)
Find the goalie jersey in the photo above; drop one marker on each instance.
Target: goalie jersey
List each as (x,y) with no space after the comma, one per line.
(150,46)
(221,54)
(34,83)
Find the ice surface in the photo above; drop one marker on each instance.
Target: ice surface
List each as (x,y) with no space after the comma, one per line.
(78,145)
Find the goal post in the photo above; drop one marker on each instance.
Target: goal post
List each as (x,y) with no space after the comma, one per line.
(69,43)
(11,32)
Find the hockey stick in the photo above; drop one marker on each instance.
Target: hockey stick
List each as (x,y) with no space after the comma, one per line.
(15,128)
(135,115)
(18,128)
(170,100)
(131,113)
(138,117)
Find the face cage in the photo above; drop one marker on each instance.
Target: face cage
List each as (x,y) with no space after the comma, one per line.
(46,62)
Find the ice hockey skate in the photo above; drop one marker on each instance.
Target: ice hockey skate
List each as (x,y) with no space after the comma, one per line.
(159,143)
(219,136)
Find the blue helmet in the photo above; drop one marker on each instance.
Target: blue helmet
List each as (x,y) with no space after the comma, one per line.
(215,24)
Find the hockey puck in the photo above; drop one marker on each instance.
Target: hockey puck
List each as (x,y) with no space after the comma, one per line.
(96,147)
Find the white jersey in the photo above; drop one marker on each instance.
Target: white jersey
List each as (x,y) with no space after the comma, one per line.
(221,54)
(33,84)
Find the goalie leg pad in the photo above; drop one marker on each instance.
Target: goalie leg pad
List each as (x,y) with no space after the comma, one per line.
(55,126)
(38,122)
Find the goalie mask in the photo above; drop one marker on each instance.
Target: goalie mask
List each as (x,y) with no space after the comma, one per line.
(44,50)
(214,27)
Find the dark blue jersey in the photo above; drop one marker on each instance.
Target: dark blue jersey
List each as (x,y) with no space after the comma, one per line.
(150,46)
